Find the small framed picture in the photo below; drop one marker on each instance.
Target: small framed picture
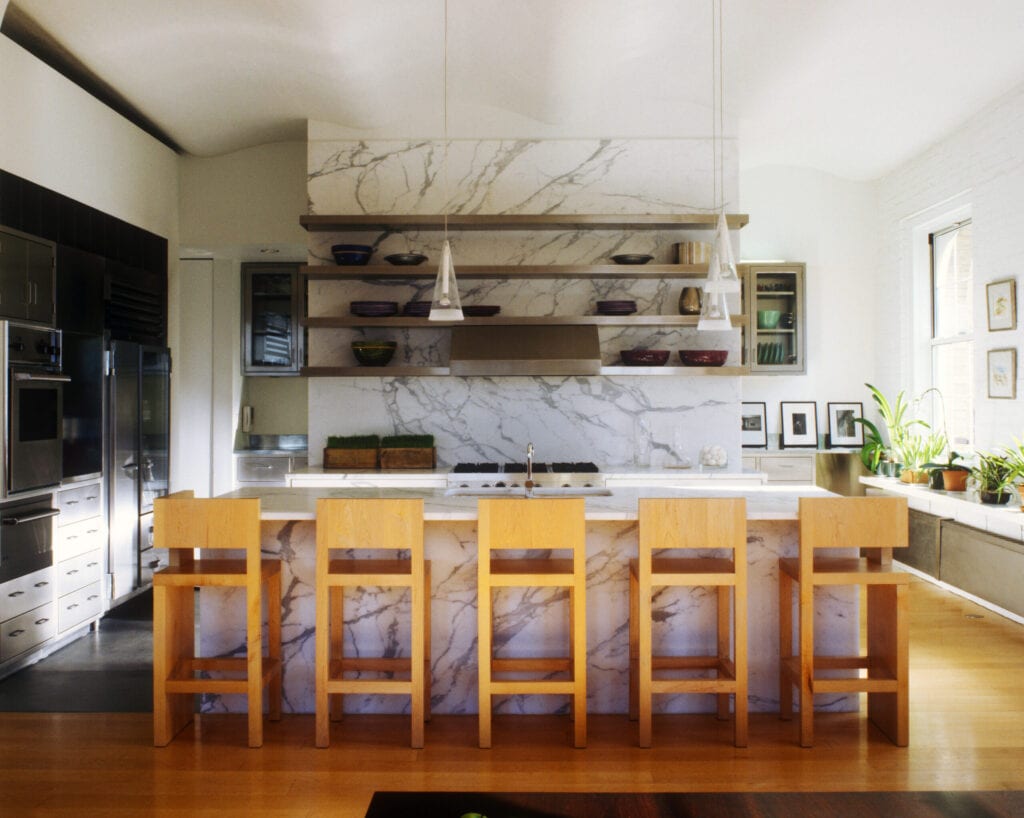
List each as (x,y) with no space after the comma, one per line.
(799,425)
(843,430)
(754,425)
(1002,373)
(1002,304)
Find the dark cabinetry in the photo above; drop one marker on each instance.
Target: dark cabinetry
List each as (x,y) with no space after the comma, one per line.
(26,277)
(272,306)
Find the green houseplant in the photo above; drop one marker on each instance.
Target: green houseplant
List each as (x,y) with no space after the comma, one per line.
(1015,457)
(993,476)
(953,475)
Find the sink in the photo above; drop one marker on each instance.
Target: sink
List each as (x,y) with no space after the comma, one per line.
(519,491)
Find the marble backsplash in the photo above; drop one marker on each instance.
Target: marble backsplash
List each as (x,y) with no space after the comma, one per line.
(612,420)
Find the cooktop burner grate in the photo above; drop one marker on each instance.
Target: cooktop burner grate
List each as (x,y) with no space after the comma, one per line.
(520,468)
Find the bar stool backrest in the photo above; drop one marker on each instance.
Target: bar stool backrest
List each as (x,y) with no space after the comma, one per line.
(532,524)
(370,524)
(714,522)
(877,524)
(181,522)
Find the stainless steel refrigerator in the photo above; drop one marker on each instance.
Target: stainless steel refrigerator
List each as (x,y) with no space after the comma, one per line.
(139,439)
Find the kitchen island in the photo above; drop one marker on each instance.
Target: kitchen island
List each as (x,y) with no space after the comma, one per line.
(529,621)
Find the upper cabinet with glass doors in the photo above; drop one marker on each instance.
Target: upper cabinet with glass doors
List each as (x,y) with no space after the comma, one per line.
(777,336)
(272,304)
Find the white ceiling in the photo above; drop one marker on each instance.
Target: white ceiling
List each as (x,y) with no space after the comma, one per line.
(852,87)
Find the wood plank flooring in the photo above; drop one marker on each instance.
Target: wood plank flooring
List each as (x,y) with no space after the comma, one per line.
(967,733)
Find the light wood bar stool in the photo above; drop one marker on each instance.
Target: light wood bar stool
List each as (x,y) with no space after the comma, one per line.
(526,525)
(714,523)
(369,525)
(876,525)
(181,524)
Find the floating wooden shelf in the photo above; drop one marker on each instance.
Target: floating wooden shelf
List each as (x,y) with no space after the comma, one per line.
(339,321)
(443,371)
(519,221)
(328,272)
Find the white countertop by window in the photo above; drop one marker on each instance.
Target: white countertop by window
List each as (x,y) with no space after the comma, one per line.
(962,506)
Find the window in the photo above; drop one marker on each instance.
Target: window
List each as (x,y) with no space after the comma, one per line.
(952,337)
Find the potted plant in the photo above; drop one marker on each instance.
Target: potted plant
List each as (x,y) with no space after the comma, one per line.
(874,452)
(916,452)
(1015,457)
(898,424)
(952,475)
(993,477)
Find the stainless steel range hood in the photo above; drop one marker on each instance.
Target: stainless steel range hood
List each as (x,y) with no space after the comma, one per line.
(526,350)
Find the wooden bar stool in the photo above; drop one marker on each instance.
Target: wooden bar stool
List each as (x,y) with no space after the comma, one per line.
(876,525)
(181,524)
(369,525)
(716,523)
(525,525)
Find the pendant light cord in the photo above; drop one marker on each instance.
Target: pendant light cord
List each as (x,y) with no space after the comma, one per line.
(717,108)
(444,125)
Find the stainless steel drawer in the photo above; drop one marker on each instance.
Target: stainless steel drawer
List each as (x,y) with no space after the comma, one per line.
(78,502)
(82,570)
(26,631)
(77,538)
(77,607)
(262,469)
(25,593)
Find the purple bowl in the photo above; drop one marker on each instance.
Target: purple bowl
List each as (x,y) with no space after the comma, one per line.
(351,255)
(703,357)
(645,357)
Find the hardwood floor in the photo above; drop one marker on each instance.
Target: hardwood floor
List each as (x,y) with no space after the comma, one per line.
(967,733)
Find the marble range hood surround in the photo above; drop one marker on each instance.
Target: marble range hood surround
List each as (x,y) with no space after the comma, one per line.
(612,420)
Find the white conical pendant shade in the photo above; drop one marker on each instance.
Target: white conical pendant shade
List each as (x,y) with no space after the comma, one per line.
(722,275)
(714,313)
(445,305)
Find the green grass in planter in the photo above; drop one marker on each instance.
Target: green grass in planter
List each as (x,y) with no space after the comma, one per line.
(408,442)
(353,442)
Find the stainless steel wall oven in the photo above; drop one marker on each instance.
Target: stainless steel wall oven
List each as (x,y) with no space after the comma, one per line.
(33,408)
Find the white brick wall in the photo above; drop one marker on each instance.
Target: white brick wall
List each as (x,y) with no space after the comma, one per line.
(982,164)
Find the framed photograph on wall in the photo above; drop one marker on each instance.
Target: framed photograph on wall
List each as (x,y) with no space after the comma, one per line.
(799,425)
(1001,297)
(754,418)
(843,430)
(1002,373)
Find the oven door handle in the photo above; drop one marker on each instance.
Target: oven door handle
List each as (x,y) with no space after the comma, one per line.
(31,518)
(31,376)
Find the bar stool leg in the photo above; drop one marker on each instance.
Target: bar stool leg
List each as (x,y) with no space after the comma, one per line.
(579,673)
(336,701)
(806,664)
(416,663)
(323,660)
(645,662)
(888,646)
(254,662)
(724,610)
(741,704)
(483,606)
(174,639)
(427,654)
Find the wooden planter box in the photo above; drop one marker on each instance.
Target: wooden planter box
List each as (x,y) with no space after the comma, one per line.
(350,458)
(408,458)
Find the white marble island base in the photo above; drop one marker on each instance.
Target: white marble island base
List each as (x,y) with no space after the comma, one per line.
(530,622)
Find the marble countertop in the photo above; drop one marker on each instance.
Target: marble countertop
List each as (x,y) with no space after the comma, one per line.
(962,506)
(611,472)
(763,502)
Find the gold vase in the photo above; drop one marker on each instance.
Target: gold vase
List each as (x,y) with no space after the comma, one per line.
(689,301)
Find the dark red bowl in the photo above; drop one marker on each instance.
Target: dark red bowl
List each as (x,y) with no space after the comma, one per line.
(645,357)
(703,357)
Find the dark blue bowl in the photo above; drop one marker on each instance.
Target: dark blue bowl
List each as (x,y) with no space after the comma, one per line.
(351,254)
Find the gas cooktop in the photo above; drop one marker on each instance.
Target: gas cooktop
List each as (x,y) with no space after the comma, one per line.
(520,468)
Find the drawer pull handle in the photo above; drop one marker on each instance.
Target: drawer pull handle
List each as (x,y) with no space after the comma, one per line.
(18,632)
(91,597)
(16,593)
(92,564)
(154,563)
(71,537)
(42,621)
(72,572)
(92,497)
(92,531)
(72,606)
(71,502)
(42,584)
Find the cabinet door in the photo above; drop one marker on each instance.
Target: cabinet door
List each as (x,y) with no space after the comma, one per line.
(775,298)
(272,343)
(39,276)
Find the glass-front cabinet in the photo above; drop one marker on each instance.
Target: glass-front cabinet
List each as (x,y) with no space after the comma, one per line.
(776,336)
(272,305)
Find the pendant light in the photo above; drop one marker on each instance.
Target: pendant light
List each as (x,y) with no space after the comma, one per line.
(722,277)
(445,305)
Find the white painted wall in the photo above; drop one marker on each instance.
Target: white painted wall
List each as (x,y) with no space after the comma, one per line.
(799,214)
(979,166)
(60,137)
